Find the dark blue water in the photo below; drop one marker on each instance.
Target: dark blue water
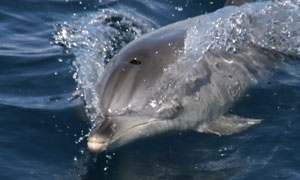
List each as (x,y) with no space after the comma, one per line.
(43,121)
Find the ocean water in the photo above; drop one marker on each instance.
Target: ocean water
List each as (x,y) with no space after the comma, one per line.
(51,59)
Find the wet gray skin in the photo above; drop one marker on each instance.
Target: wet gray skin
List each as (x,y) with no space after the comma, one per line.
(136,104)
(126,82)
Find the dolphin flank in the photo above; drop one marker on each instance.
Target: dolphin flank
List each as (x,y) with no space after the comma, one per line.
(144,93)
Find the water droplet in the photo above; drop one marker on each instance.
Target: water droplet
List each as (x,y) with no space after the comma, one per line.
(105,168)
(108,156)
(179,8)
(153,103)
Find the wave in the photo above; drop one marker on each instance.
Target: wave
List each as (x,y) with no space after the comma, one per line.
(58,102)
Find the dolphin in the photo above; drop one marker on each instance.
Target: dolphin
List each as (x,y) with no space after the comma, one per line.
(139,99)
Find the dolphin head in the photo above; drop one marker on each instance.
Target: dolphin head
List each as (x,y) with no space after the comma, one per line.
(118,131)
(124,89)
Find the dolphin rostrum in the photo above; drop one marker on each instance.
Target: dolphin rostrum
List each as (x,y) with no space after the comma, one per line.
(139,98)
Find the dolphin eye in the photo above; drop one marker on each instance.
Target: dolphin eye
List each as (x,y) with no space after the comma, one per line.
(135,61)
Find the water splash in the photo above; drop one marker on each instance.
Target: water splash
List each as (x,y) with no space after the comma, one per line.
(271,25)
(94,39)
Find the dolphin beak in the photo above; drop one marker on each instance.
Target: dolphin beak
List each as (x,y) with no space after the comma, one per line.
(96,144)
(118,131)
(96,147)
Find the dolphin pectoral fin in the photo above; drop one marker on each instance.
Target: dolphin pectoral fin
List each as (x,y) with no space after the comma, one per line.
(229,124)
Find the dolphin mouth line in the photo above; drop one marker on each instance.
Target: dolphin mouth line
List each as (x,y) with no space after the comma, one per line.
(96,146)
(135,126)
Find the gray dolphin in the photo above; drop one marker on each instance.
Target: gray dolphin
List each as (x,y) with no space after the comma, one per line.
(136,102)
